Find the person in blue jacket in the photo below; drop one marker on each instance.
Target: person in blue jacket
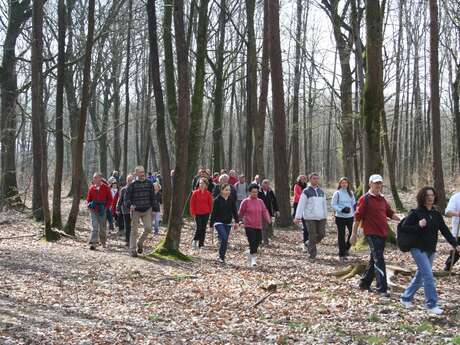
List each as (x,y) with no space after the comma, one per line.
(343,203)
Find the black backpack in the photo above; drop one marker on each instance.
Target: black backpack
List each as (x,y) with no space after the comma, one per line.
(406,238)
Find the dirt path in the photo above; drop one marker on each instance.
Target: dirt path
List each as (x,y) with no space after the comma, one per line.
(65,294)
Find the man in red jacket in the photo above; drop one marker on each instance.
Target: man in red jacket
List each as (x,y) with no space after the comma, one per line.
(98,200)
(372,212)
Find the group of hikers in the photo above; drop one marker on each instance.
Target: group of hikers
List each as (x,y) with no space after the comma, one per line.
(224,201)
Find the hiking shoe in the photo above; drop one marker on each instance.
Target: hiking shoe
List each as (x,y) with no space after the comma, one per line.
(435,311)
(363,287)
(383,294)
(406,304)
(305,247)
(133,254)
(222,261)
(104,245)
(92,247)
(249,259)
(253,260)
(140,248)
(342,259)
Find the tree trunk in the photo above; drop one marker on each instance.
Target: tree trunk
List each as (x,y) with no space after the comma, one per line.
(169,62)
(217,132)
(160,108)
(438,175)
(59,144)
(128,64)
(19,13)
(259,116)
(77,163)
(373,90)
(38,116)
(279,117)
(251,89)
(172,239)
(196,137)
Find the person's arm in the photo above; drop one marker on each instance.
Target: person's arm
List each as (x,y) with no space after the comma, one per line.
(358,219)
(234,212)
(266,214)
(392,213)
(242,210)
(192,205)
(121,200)
(300,208)
(275,203)
(128,196)
(451,209)
(89,196)
(214,213)
(108,203)
(325,204)
(447,234)
(334,202)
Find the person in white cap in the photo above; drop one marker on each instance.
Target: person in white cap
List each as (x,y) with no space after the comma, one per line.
(453,210)
(373,211)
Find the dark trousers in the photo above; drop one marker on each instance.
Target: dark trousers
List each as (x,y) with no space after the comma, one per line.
(120,221)
(376,266)
(304,224)
(200,233)
(223,231)
(127,225)
(110,218)
(449,262)
(254,238)
(342,225)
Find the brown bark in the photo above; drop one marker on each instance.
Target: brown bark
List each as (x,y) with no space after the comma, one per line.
(77,163)
(438,175)
(279,116)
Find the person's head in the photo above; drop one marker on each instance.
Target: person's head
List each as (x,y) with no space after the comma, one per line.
(203,184)
(225,190)
(265,184)
(376,183)
(257,178)
(232,173)
(114,185)
(149,173)
(223,171)
(344,183)
(427,197)
(253,190)
(216,175)
(314,179)
(140,172)
(223,179)
(172,173)
(208,172)
(116,173)
(242,179)
(97,179)
(129,178)
(156,187)
(302,179)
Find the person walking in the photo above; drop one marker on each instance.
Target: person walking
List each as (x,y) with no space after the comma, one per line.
(253,213)
(373,211)
(241,190)
(343,203)
(223,211)
(313,208)
(123,211)
(139,200)
(98,200)
(267,195)
(200,209)
(300,185)
(111,212)
(426,221)
(453,211)
(223,180)
(156,207)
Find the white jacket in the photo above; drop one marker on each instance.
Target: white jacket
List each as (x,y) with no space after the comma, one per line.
(312,204)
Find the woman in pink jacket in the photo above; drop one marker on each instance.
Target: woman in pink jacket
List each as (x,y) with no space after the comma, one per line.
(252,212)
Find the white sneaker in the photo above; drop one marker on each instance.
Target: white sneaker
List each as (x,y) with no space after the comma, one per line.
(253,260)
(435,311)
(406,304)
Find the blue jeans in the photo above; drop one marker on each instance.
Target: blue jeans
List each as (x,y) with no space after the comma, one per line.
(423,277)
(223,231)
(376,267)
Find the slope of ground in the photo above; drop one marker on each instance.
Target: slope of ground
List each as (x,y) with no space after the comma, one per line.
(63,293)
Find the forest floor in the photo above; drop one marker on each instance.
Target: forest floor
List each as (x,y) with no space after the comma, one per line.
(62,293)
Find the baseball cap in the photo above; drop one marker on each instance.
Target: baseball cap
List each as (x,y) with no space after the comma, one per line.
(375,178)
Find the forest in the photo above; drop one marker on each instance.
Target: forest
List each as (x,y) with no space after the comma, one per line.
(271,88)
